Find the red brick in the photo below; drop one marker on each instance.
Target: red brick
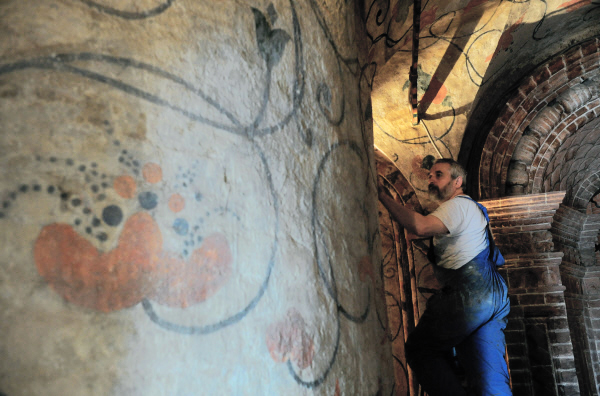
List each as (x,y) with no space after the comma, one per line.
(556,65)
(558,80)
(562,350)
(525,89)
(514,103)
(557,323)
(591,65)
(568,389)
(554,298)
(541,75)
(567,376)
(537,311)
(505,116)
(592,106)
(573,57)
(572,127)
(575,72)
(531,299)
(589,48)
(559,337)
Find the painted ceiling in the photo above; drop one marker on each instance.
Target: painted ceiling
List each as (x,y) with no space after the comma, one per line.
(472,55)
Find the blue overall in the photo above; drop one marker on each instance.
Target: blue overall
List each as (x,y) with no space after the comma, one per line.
(469,314)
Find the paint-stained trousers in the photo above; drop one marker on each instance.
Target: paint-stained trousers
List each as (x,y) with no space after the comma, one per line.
(469,315)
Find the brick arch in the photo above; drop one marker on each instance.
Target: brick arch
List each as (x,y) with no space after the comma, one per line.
(575,109)
(575,167)
(557,99)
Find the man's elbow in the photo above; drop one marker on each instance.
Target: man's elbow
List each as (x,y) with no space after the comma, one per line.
(420,230)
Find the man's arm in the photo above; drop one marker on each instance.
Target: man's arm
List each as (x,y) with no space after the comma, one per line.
(415,223)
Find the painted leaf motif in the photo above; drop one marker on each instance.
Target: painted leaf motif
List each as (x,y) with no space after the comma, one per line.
(271,43)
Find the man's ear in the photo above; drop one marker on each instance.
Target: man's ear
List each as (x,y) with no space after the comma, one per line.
(458,182)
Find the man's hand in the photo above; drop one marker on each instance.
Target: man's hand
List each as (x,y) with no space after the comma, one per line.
(416,224)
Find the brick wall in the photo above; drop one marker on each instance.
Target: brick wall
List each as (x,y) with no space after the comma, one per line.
(539,343)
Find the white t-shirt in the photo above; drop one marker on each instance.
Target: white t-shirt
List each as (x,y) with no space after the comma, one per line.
(467,233)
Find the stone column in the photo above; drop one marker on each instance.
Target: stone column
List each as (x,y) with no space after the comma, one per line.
(576,234)
(538,340)
(187,201)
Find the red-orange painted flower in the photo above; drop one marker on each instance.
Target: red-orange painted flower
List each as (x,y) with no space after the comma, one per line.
(181,283)
(288,340)
(110,281)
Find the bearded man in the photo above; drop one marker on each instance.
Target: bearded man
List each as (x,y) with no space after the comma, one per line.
(469,312)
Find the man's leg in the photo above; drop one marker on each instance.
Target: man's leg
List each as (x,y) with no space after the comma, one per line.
(442,326)
(482,356)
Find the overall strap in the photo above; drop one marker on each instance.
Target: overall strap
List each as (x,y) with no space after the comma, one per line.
(495,254)
(480,206)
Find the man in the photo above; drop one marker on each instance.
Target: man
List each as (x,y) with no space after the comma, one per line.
(469,312)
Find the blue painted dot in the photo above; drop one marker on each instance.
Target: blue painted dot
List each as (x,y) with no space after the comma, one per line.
(148,200)
(112,215)
(181,226)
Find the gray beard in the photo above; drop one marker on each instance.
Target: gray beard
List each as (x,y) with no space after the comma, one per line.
(436,194)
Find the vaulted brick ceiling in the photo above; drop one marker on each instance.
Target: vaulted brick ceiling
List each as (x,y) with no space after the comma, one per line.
(545,137)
